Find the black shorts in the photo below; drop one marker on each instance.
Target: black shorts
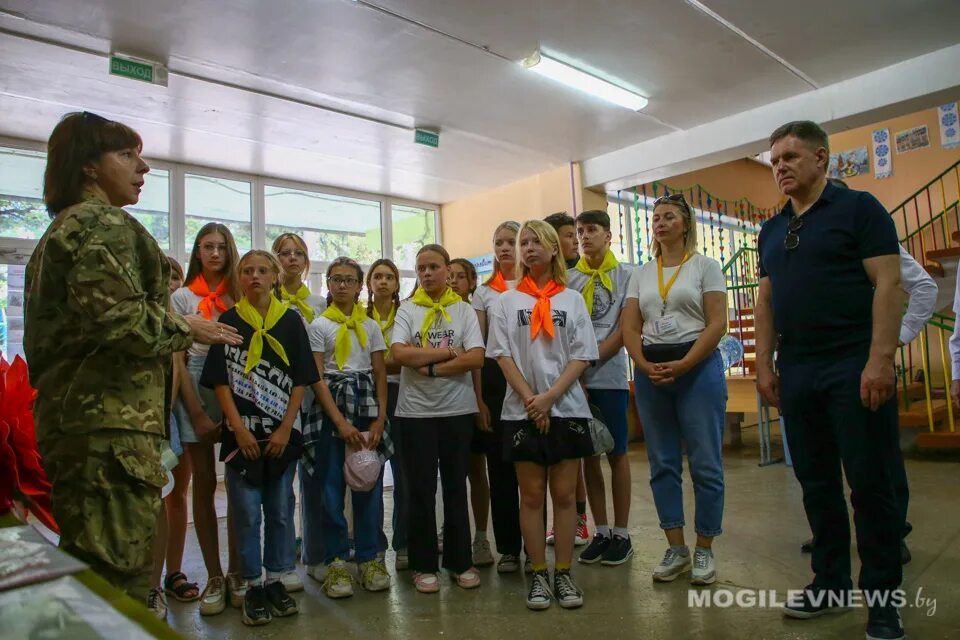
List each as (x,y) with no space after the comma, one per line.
(567,439)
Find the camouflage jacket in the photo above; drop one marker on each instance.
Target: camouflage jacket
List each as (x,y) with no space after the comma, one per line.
(98,336)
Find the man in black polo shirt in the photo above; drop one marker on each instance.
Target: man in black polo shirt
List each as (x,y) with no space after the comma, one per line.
(830,303)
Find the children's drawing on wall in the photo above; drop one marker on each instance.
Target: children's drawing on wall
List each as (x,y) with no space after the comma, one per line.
(849,164)
(912,139)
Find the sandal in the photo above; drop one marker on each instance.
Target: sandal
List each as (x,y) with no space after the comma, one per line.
(177,585)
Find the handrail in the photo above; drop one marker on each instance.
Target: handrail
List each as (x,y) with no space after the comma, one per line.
(925,187)
(736,255)
(928,223)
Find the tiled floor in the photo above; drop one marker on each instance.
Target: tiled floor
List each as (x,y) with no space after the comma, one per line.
(763,527)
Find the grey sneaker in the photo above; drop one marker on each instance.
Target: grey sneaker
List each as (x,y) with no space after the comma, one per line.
(509,563)
(672,565)
(566,591)
(539,597)
(157,602)
(402,561)
(292,581)
(482,556)
(704,568)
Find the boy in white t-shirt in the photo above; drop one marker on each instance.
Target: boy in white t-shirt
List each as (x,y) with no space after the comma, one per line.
(603,282)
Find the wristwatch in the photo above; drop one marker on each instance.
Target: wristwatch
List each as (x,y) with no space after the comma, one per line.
(430,371)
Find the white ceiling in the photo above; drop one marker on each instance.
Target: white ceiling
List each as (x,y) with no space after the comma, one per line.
(499,123)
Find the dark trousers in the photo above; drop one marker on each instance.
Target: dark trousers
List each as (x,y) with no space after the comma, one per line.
(431,444)
(504,490)
(826,427)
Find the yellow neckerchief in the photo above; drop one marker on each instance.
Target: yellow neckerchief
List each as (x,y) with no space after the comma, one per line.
(665,289)
(609,263)
(298,299)
(341,348)
(385,326)
(261,326)
(421,299)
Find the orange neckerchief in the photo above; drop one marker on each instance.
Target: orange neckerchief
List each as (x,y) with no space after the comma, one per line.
(498,283)
(542,316)
(211,299)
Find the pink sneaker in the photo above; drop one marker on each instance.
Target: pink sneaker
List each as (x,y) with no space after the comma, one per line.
(426,582)
(469,579)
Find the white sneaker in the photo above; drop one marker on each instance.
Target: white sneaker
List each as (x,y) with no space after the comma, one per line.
(339,582)
(291,581)
(672,565)
(213,600)
(374,576)
(704,567)
(482,556)
(236,589)
(317,571)
(402,560)
(157,602)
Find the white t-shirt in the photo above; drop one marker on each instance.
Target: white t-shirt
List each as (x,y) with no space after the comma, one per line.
(698,275)
(425,397)
(612,373)
(323,339)
(393,378)
(316,302)
(541,361)
(485,297)
(186,303)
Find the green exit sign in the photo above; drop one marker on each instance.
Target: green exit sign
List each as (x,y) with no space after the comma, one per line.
(428,138)
(136,69)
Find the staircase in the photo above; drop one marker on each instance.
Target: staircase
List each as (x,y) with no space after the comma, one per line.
(935,244)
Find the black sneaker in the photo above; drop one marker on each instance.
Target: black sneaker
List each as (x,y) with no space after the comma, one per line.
(281,603)
(566,591)
(619,551)
(256,607)
(884,623)
(814,603)
(594,552)
(807,547)
(539,597)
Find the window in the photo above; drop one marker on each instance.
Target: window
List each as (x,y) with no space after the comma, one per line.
(11,310)
(413,227)
(331,225)
(153,209)
(22,212)
(210,199)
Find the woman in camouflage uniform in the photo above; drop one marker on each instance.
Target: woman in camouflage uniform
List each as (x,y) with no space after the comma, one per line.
(98,340)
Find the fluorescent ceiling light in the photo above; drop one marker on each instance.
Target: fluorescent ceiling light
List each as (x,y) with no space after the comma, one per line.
(556,70)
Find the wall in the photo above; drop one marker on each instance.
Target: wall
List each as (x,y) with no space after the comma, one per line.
(732,181)
(467,224)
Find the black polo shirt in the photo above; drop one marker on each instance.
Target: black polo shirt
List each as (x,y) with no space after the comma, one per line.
(822,297)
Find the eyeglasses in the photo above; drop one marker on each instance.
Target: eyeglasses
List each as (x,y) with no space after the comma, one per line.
(337,281)
(792,241)
(288,254)
(673,198)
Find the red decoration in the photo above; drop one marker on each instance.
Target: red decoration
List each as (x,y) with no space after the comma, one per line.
(23,482)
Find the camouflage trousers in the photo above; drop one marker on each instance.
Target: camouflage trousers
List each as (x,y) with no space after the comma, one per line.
(106,498)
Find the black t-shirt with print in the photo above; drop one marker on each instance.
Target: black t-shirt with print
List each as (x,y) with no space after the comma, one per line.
(263,395)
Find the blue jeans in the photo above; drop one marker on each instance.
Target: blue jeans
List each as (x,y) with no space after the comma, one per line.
(273,500)
(690,411)
(366,504)
(311,514)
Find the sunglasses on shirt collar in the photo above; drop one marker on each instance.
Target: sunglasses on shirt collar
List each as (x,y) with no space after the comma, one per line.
(792,240)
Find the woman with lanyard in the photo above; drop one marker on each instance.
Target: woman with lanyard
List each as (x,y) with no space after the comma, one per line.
(292,253)
(671,331)
(383,300)
(543,339)
(348,347)
(504,496)
(211,289)
(437,341)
